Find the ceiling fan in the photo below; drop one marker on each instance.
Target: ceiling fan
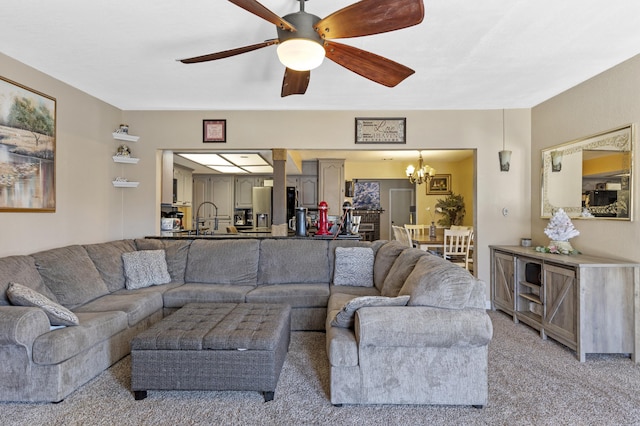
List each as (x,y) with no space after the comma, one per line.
(305,39)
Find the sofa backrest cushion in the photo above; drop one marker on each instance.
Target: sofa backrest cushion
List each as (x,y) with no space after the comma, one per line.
(385,256)
(400,270)
(286,261)
(71,275)
(21,269)
(108,260)
(223,262)
(438,283)
(176,253)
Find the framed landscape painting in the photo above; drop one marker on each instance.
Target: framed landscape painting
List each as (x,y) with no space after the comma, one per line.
(27,149)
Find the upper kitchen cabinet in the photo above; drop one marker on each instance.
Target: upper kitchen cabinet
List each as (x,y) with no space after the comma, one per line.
(183,188)
(244,190)
(308,191)
(331,184)
(217,189)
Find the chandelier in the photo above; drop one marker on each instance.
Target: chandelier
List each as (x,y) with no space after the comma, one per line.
(422,174)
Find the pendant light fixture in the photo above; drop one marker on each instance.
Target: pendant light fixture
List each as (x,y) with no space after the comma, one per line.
(505,155)
(422,174)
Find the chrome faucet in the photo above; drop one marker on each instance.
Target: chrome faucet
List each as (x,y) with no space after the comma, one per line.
(215,218)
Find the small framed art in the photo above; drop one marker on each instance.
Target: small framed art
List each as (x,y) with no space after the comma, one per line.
(214,131)
(439,185)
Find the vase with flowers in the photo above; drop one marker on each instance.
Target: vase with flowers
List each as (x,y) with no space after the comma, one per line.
(432,227)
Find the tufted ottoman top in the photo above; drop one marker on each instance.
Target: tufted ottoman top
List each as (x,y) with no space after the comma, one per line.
(217,326)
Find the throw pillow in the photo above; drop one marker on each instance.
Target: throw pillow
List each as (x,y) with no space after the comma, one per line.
(400,270)
(145,268)
(24,296)
(354,266)
(438,284)
(344,318)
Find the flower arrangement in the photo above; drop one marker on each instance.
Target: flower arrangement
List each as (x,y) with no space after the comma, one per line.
(560,229)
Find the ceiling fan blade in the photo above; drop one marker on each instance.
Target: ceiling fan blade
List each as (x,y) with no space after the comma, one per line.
(369,17)
(369,65)
(258,9)
(295,82)
(227,53)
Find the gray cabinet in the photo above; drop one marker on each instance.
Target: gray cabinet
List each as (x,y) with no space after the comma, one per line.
(331,184)
(217,189)
(306,190)
(584,302)
(244,190)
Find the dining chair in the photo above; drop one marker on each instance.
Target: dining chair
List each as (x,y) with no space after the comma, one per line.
(456,246)
(417,231)
(402,234)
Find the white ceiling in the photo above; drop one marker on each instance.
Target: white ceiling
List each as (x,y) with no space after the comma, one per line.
(466,54)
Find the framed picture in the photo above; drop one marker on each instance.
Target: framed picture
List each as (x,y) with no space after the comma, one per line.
(27,149)
(439,185)
(214,130)
(381,130)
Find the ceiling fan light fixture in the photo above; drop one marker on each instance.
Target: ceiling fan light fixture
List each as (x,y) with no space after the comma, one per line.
(301,54)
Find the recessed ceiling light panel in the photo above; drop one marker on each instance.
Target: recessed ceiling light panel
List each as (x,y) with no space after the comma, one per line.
(206,159)
(245,159)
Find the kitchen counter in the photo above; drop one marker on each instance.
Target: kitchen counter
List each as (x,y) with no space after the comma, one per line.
(245,235)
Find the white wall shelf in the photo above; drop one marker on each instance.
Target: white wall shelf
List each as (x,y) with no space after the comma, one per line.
(123,159)
(120,184)
(125,137)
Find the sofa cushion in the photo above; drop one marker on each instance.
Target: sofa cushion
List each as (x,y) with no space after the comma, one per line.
(354,266)
(61,344)
(70,275)
(21,269)
(354,290)
(289,261)
(107,257)
(200,292)
(24,296)
(345,317)
(176,252)
(305,295)
(385,257)
(223,262)
(137,306)
(433,283)
(400,270)
(145,268)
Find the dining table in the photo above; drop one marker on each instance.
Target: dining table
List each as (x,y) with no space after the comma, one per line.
(426,242)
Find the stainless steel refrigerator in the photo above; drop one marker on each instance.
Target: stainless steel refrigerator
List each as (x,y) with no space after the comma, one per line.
(261,204)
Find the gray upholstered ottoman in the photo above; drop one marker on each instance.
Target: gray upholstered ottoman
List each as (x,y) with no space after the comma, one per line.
(213,346)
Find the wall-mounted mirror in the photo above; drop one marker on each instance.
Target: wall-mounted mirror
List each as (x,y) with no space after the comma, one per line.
(590,178)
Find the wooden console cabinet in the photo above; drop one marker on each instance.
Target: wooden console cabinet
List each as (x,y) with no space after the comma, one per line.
(587,303)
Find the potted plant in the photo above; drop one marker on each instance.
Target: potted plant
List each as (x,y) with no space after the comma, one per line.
(452,209)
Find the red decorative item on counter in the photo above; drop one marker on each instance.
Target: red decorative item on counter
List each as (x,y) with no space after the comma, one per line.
(323,222)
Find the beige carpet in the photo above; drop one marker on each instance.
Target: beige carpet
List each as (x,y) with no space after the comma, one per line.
(531,382)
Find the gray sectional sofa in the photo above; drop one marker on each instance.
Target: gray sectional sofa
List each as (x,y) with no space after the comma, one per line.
(432,351)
